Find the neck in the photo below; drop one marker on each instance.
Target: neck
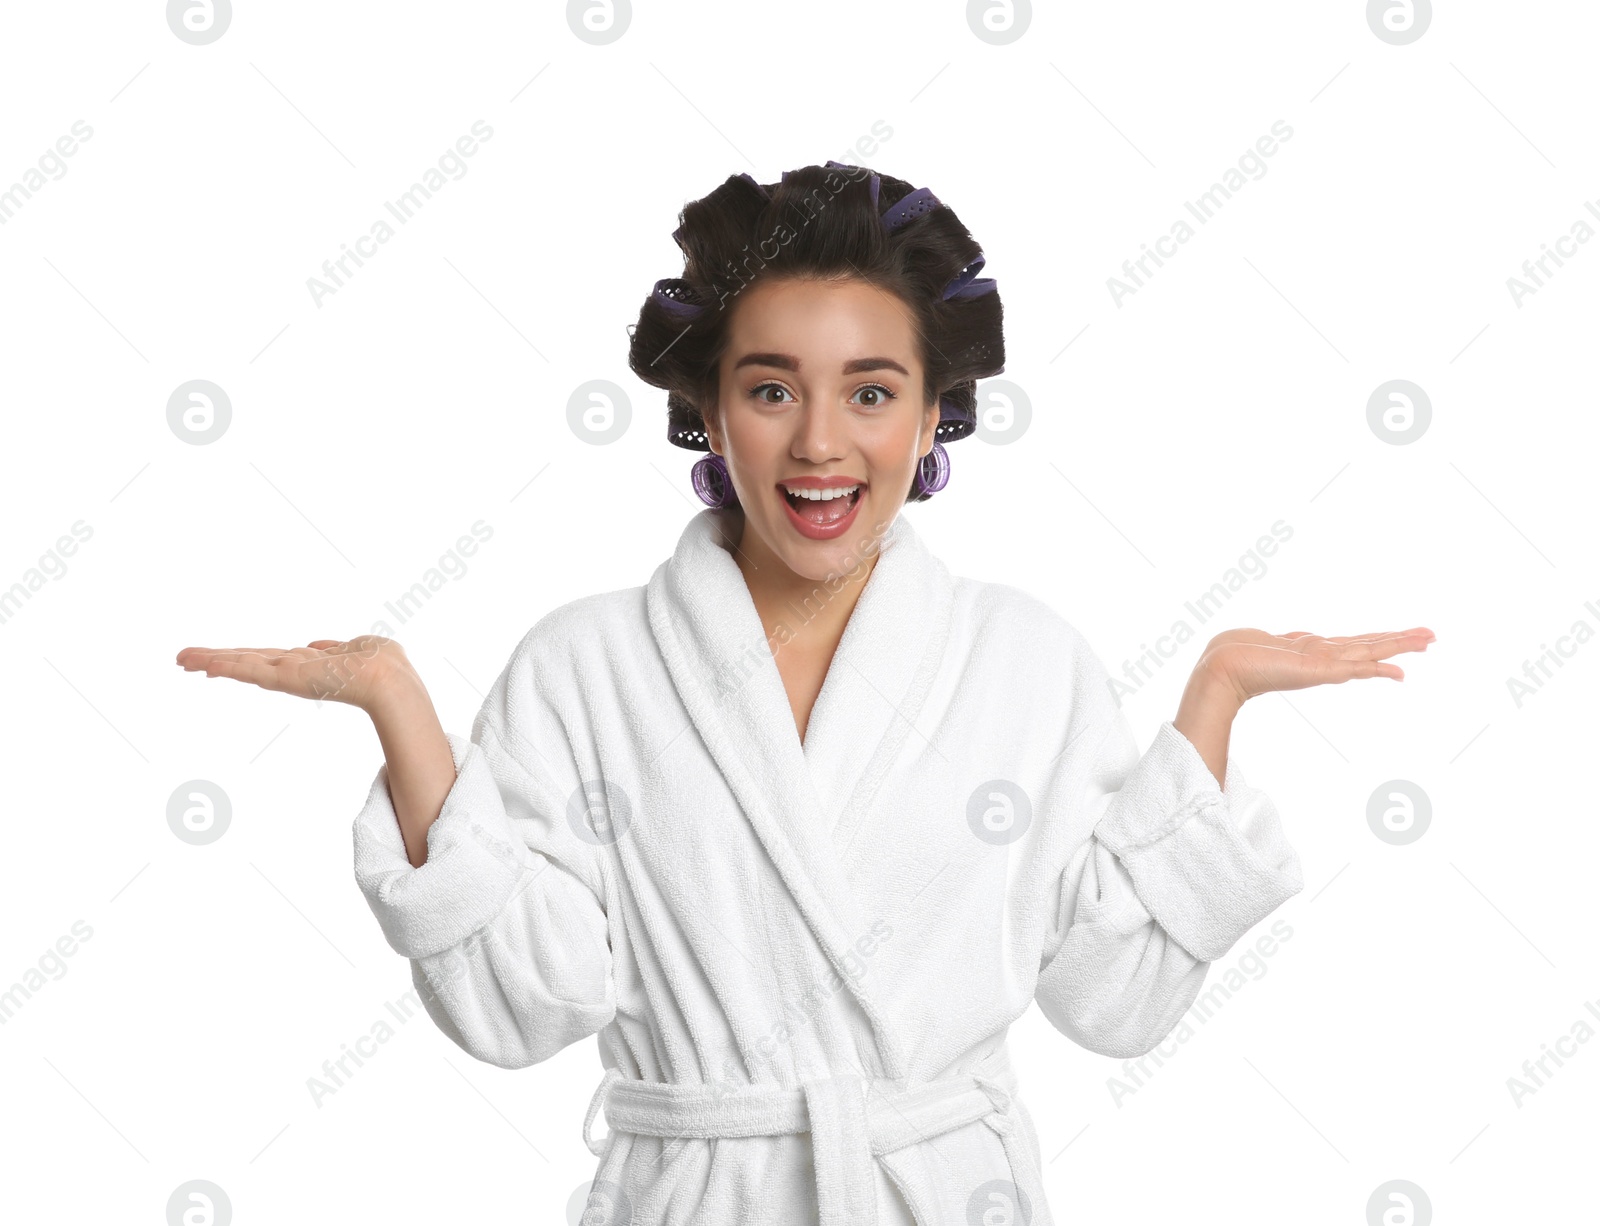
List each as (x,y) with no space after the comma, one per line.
(808,613)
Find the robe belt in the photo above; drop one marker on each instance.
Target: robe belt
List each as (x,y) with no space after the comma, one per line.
(852,1120)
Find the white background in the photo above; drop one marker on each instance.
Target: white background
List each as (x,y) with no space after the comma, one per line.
(430,392)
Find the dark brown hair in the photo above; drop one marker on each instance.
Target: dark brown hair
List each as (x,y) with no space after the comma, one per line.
(824,222)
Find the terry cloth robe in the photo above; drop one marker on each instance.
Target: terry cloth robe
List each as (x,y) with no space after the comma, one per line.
(801,960)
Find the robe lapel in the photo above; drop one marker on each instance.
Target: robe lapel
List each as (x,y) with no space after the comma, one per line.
(881,671)
(805,804)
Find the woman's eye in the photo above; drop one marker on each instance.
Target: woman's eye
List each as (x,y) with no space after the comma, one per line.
(760,392)
(880,395)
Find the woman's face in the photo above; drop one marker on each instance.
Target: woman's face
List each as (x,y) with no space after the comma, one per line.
(820,386)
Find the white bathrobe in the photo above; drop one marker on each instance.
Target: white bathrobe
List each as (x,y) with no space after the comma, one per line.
(801,960)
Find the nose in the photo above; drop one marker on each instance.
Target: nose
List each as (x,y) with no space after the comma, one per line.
(819,433)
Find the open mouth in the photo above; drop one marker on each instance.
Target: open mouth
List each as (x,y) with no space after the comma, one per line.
(823,513)
(799,502)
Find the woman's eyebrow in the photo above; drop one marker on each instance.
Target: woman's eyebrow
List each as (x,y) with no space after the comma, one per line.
(784,361)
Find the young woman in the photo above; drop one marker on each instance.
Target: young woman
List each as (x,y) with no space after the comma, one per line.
(801,825)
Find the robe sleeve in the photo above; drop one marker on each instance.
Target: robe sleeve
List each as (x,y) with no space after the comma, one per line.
(504,922)
(1174,872)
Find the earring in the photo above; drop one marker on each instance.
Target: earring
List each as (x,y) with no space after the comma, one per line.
(711,481)
(933,473)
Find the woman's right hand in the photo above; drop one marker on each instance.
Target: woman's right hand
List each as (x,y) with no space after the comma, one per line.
(373,673)
(363,672)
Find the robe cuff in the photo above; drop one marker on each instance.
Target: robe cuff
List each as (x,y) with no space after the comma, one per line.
(1208,865)
(473,862)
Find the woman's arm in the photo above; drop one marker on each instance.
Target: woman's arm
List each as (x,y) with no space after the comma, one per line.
(1239,664)
(1182,860)
(374,674)
(1205,717)
(508,943)
(461,848)
(417,752)
(1173,874)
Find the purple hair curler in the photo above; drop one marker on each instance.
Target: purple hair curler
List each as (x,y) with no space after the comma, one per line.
(967,284)
(912,205)
(711,481)
(933,473)
(672,293)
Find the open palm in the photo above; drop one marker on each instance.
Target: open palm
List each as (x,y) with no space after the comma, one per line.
(351,672)
(1255,662)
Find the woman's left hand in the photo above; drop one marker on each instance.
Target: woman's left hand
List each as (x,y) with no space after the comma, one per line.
(1251,662)
(1239,664)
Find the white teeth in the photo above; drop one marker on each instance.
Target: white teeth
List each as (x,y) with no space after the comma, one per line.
(824,495)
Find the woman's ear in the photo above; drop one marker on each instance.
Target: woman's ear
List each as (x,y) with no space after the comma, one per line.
(930,425)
